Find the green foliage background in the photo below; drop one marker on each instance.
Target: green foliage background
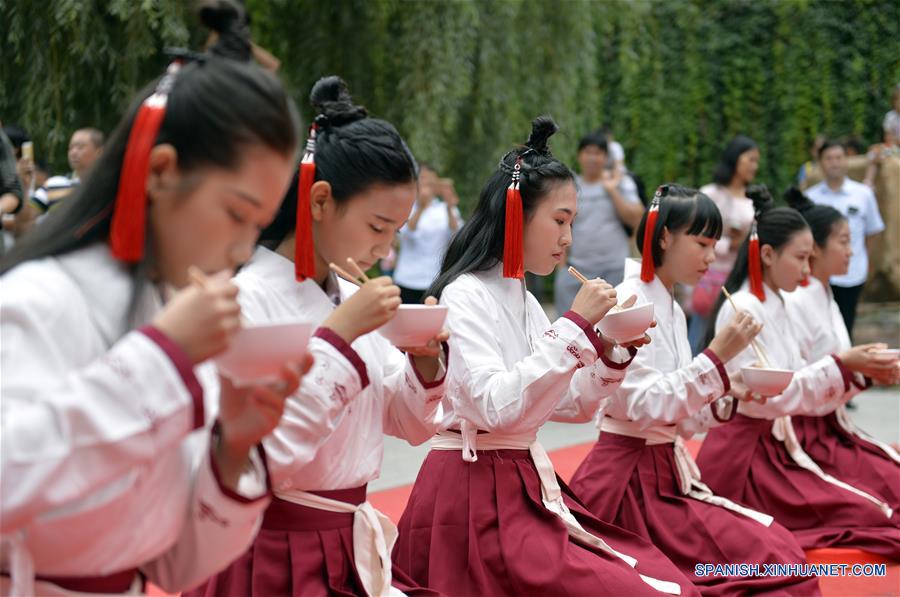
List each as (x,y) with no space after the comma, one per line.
(462,79)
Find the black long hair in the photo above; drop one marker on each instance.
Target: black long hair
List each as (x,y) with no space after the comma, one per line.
(775,227)
(353,152)
(680,209)
(220,104)
(478,246)
(728,161)
(821,218)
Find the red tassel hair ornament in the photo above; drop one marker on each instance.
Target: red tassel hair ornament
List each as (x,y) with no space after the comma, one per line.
(648,269)
(754,266)
(513,250)
(128,228)
(304,249)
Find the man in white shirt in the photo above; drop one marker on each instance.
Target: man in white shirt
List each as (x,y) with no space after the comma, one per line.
(857,202)
(85,147)
(424,238)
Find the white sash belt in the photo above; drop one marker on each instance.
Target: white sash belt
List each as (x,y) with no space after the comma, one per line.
(15,557)
(15,560)
(783,431)
(373,538)
(688,472)
(659,434)
(551,494)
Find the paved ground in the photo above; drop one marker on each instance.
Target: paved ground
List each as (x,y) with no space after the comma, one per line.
(877,412)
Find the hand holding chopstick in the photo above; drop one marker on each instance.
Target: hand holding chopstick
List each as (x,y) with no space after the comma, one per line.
(581,278)
(595,298)
(202,317)
(374,304)
(205,282)
(760,353)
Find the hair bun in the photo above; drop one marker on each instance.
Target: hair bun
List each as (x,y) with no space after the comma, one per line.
(229,20)
(331,98)
(761,197)
(542,128)
(796,199)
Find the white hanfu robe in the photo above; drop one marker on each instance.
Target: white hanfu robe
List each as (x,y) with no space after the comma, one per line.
(641,476)
(106,461)
(817,387)
(512,370)
(822,332)
(833,440)
(668,391)
(331,436)
(353,395)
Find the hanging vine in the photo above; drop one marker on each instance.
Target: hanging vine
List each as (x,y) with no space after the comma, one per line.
(462,79)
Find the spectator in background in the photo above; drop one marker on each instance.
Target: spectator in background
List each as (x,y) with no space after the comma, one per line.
(854,145)
(813,163)
(424,238)
(12,197)
(891,138)
(31,177)
(608,202)
(387,264)
(20,140)
(857,203)
(736,169)
(85,146)
(615,151)
(41,173)
(892,119)
(25,162)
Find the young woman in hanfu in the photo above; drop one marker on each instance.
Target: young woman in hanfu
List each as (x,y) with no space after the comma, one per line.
(487,514)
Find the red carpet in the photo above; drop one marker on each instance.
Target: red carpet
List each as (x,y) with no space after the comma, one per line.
(566,460)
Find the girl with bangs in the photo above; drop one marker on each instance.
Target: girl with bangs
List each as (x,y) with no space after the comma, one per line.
(832,440)
(487,514)
(759,459)
(639,474)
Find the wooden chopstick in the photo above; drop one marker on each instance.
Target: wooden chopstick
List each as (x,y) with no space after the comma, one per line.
(337,269)
(760,353)
(359,271)
(198,277)
(578,275)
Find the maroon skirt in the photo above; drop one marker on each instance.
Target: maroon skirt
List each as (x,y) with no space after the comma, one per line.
(480,528)
(849,457)
(111,584)
(636,486)
(300,551)
(744,462)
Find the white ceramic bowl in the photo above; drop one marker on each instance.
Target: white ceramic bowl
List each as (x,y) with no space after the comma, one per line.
(414,325)
(258,353)
(628,324)
(766,382)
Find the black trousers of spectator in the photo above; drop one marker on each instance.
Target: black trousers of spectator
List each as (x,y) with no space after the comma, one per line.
(847,297)
(411,296)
